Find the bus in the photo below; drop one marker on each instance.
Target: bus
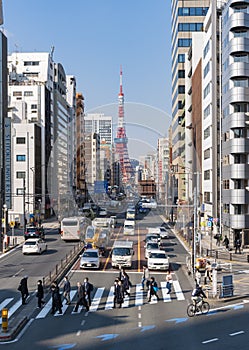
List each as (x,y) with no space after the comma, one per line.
(74,228)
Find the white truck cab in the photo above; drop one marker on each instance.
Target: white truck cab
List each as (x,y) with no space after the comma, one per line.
(129,227)
(122,254)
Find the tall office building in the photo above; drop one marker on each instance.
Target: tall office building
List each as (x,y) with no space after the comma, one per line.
(235,108)
(187,17)
(100,124)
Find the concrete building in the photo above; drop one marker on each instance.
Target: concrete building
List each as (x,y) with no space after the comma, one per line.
(235,112)
(162,169)
(38,95)
(187,17)
(92,159)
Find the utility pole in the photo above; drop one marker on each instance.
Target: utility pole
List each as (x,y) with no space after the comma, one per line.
(24,214)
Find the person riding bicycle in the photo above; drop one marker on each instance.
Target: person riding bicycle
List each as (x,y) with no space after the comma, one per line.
(197,295)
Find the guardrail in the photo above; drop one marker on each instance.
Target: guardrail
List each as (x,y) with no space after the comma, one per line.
(227,255)
(64,265)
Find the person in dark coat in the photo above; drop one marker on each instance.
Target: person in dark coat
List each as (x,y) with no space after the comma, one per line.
(125,281)
(153,288)
(40,294)
(237,246)
(118,293)
(88,287)
(23,288)
(81,298)
(66,290)
(56,298)
(226,242)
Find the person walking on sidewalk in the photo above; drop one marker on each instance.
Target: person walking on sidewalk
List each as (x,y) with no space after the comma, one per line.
(237,245)
(197,277)
(208,273)
(23,288)
(40,294)
(66,290)
(153,289)
(226,243)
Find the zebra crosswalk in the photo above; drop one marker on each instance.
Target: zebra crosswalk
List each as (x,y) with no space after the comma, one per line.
(102,299)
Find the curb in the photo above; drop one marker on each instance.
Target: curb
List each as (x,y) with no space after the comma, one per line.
(13,331)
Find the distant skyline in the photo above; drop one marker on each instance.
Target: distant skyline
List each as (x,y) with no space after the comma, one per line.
(91,40)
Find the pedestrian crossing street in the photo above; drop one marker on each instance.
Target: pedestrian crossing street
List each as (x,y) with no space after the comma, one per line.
(102,299)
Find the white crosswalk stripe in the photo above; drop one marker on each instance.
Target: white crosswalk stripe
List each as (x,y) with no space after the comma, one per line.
(100,297)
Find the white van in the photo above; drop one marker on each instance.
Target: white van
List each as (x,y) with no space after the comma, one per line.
(122,254)
(129,227)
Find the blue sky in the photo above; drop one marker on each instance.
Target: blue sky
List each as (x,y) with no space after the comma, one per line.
(92,38)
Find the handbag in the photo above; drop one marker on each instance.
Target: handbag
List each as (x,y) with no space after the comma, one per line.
(155,288)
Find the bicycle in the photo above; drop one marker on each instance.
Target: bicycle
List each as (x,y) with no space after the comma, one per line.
(201,307)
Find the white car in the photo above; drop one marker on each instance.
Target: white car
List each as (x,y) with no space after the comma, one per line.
(158,260)
(90,259)
(164,233)
(152,237)
(149,247)
(34,246)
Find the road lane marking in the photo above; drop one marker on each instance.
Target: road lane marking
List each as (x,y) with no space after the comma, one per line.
(110,298)
(46,308)
(236,333)
(78,333)
(139,295)
(83,322)
(166,297)
(65,306)
(17,273)
(126,301)
(210,341)
(178,290)
(138,250)
(96,299)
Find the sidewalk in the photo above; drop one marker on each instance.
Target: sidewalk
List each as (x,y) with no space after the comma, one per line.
(230,263)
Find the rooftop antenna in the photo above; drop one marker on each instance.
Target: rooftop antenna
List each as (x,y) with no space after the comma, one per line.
(52,52)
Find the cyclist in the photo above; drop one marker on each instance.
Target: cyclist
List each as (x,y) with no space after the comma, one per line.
(198,295)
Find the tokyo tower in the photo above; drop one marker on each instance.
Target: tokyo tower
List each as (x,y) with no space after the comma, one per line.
(121,140)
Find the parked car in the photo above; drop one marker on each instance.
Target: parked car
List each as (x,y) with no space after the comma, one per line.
(34,246)
(34,232)
(158,260)
(149,247)
(90,259)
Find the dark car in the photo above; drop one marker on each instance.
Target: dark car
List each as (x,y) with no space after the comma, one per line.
(34,232)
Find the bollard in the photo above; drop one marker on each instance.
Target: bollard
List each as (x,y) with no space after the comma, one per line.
(4,320)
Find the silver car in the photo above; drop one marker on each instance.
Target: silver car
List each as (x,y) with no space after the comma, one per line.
(90,259)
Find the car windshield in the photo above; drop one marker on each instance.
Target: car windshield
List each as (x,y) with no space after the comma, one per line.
(151,237)
(157,256)
(152,246)
(70,223)
(89,232)
(90,255)
(30,243)
(33,229)
(121,251)
(130,227)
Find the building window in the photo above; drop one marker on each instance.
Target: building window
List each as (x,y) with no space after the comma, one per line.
(240,32)
(237,209)
(206,48)
(206,69)
(20,140)
(28,93)
(239,133)
(226,184)
(239,158)
(31,75)
(226,208)
(181,58)
(207,153)
(240,107)
(19,191)
(207,175)
(207,197)
(207,90)
(17,93)
(206,132)
(184,42)
(20,174)
(181,73)
(181,89)
(21,158)
(207,111)
(225,160)
(238,184)
(31,63)
(241,82)
(241,57)
(33,106)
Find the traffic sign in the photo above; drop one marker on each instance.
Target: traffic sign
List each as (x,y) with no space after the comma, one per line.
(209,223)
(12,223)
